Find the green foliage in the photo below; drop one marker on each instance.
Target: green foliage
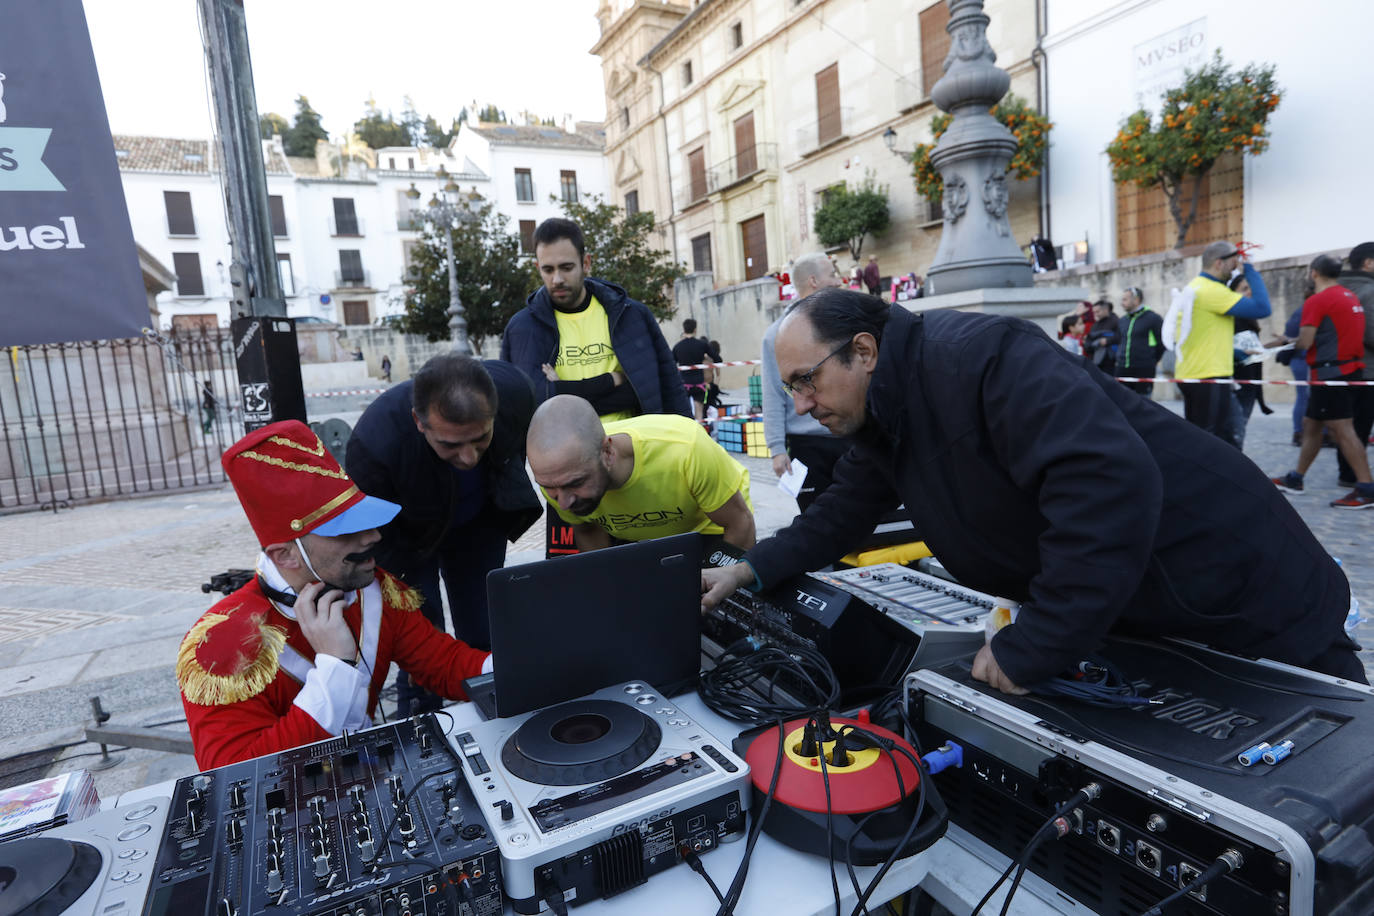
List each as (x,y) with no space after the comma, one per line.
(1214,112)
(378,130)
(299,139)
(1030,128)
(272,125)
(847,217)
(621,253)
(493,277)
(491,114)
(436,136)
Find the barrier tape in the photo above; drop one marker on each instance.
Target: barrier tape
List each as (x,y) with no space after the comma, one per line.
(340,394)
(1247,381)
(736,362)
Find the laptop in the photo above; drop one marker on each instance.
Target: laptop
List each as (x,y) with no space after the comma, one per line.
(564,628)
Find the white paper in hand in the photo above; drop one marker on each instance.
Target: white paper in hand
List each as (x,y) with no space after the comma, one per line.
(791,482)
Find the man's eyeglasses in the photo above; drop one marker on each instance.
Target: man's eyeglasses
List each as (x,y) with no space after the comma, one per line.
(805,383)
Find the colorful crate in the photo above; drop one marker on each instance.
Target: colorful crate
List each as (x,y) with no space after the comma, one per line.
(743,435)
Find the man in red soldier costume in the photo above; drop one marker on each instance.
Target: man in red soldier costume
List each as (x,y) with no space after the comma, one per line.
(299,654)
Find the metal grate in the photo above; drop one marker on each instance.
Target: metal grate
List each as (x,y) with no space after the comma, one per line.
(103,419)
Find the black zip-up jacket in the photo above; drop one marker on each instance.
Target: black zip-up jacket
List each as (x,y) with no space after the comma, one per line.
(1034,476)
(389,458)
(531,339)
(1142,343)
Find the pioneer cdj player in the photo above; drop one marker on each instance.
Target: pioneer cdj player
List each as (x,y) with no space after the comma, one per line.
(593,797)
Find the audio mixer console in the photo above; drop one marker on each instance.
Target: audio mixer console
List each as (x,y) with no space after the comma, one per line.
(377,823)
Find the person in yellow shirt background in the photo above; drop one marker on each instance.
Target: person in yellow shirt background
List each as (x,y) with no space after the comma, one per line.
(1205,332)
(637,479)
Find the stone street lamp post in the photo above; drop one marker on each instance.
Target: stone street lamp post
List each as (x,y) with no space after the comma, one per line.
(976,250)
(445,216)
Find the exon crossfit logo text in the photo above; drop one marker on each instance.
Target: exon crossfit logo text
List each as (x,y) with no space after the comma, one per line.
(651,518)
(574,355)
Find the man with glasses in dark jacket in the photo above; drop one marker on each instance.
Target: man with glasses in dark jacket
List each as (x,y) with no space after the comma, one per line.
(1034,477)
(1142,341)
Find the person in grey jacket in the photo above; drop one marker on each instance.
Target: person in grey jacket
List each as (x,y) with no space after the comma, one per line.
(1033,475)
(1359,279)
(790,434)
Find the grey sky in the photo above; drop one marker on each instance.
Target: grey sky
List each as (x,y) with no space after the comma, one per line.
(516,54)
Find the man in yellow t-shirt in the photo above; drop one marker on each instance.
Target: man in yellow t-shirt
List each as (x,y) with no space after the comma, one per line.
(634,480)
(1205,349)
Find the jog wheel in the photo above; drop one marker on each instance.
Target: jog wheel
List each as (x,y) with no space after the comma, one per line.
(581,742)
(45,875)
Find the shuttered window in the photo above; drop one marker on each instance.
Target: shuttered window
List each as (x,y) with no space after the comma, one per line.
(746,156)
(186,265)
(631,203)
(828,125)
(701,252)
(934,43)
(180,219)
(567,181)
(345,217)
(278,210)
(527,227)
(696,173)
(351,266)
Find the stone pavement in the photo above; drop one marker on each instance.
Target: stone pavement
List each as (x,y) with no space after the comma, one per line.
(94,601)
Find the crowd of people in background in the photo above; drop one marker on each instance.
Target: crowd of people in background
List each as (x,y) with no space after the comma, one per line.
(1213,328)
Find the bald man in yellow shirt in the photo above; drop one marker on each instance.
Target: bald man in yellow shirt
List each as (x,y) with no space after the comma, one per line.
(637,479)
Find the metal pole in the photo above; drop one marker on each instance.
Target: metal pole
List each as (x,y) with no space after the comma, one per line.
(245,178)
(457,324)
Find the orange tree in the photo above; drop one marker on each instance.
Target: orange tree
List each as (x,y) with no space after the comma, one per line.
(1029,126)
(1215,111)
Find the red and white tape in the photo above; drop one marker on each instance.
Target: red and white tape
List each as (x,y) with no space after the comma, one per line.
(1247,381)
(736,362)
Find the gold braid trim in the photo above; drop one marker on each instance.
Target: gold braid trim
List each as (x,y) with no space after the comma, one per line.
(293,466)
(206,689)
(317,451)
(397,594)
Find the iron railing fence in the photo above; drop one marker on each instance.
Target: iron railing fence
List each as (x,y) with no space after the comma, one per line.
(105,419)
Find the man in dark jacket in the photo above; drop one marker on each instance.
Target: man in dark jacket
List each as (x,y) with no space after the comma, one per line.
(1142,341)
(1359,279)
(1039,478)
(1100,345)
(577,335)
(449,447)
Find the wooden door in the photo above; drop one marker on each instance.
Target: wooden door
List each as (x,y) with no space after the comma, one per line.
(755,248)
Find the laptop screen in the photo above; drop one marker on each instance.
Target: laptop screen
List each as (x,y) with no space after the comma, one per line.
(567,627)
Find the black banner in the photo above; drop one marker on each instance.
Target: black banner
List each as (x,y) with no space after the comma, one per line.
(68,266)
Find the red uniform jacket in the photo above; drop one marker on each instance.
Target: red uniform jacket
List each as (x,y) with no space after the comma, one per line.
(244,663)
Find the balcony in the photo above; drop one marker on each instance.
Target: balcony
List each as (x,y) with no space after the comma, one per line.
(823,131)
(909,91)
(352,279)
(348,228)
(739,168)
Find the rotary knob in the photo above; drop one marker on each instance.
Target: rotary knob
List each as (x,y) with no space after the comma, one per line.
(274,881)
(358,794)
(236,798)
(321,861)
(406,824)
(234,831)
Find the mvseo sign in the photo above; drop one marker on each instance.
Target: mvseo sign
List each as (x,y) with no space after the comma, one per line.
(1159,64)
(68,265)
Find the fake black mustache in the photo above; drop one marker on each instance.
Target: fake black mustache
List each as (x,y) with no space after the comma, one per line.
(361,556)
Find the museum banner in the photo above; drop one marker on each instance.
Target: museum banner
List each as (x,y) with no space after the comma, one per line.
(69,268)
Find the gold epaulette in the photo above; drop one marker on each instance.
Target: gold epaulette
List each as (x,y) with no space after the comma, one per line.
(228,658)
(397,594)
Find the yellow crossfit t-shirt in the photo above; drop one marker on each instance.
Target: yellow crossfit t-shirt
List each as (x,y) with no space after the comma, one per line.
(680,474)
(1207,352)
(584,348)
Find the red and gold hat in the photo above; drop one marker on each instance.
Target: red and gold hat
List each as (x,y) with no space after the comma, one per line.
(289,485)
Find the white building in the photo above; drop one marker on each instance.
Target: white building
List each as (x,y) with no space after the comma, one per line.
(344,225)
(533,168)
(1305,194)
